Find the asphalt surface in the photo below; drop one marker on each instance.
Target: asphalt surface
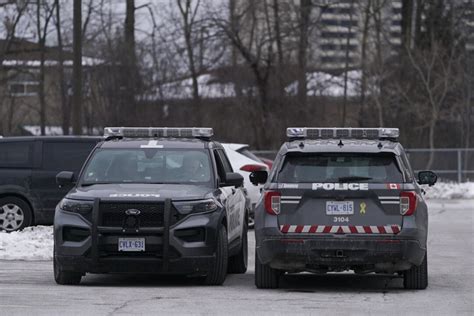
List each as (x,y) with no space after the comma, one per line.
(29,288)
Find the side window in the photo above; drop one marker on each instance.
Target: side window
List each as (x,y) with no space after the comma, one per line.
(225,161)
(219,165)
(16,154)
(409,171)
(65,156)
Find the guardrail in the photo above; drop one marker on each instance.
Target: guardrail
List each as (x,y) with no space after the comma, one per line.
(453,164)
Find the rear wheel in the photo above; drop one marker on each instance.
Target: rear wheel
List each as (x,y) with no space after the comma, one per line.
(417,277)
(238,263)
(15,214)
(65,277)
(218,269)
(265,276)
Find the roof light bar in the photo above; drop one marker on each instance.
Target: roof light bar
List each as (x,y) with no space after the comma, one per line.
(162,132)
(354,133)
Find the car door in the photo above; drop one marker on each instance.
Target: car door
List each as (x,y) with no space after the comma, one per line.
(16,163)
(58,155)
(235,201)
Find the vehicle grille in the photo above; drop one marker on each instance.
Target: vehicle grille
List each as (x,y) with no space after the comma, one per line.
(151,214)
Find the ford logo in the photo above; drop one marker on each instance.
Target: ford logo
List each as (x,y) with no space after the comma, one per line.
(132,212)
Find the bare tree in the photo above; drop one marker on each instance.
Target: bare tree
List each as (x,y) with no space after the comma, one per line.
(44,13)
(189,13)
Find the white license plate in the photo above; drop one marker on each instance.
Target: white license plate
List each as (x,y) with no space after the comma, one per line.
(339,208)
(131,244)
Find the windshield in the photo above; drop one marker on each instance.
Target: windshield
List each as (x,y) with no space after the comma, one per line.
(140,165)
(340,167)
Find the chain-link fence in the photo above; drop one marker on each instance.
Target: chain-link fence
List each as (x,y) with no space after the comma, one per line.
(451,164)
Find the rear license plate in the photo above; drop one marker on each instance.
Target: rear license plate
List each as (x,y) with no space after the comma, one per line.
(131,244)
(339,208)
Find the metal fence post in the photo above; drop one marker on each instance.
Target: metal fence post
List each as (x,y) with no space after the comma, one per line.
(459,166)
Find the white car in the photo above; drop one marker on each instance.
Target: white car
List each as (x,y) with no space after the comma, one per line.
(245,162)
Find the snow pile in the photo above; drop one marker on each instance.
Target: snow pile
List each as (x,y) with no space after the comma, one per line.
(208,88)
(324,84)
(32,243)
(86,61)
(450,190)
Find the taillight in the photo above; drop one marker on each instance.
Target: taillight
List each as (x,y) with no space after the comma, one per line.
(272,202)
(252,168)
(408,203)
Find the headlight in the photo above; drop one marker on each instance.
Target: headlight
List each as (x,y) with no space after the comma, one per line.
(76,206)
(202,206)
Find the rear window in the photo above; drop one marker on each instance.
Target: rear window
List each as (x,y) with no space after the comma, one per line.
(340,167)
(16,154)
(247,153)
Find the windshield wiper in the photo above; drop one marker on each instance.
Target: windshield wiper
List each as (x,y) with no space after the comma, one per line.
(353,178)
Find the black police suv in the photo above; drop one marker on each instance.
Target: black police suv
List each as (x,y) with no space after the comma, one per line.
(342,199)
(152,200)
(28,168)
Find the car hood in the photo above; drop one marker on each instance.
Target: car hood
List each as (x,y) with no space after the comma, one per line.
(141,192)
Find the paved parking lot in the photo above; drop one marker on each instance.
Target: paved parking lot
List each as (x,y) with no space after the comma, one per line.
(29,288)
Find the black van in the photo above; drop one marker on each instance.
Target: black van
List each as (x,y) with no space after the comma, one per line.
(28,168)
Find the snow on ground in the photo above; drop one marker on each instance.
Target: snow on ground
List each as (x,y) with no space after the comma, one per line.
(450,190)
(31,244)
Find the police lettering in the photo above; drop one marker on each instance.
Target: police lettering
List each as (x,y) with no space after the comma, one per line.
(341,186)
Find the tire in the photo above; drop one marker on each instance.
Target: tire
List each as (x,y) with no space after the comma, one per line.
(65,277)
(265,276)
(218,269)
(238,263)
(15,214)
(417,277)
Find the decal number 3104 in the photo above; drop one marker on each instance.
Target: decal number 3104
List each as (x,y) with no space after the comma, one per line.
(341,219)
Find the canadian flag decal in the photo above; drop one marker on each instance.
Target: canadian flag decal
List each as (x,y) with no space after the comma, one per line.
(393,186)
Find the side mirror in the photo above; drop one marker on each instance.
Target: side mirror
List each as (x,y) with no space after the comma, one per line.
(258,177)
(427,177)
(234,179)
(65,178)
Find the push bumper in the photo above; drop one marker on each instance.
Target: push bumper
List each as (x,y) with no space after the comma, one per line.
(165,251)
(385,254)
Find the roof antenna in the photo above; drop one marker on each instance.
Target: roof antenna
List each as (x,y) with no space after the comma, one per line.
(340,143)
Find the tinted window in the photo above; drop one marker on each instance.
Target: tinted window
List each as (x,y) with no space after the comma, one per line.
(65,156)
(16,154)
(225,161)
(148,166)
(329,167)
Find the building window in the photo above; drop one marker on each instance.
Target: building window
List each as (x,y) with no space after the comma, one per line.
(338,35)
(339,47)
(334,22)
(337,10)
(23,83)
(337,60)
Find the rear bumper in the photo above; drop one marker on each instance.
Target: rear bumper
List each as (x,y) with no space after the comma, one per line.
(374,253)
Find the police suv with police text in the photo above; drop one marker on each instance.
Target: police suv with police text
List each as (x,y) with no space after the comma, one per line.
(342,199)
(152,200)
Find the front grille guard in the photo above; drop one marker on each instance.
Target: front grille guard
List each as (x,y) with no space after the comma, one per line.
(98,230)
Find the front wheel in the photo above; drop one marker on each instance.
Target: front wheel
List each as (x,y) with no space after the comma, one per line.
(265,276)
(417,277)
(65,277)
(218,269)
(238,263)
(15,214)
